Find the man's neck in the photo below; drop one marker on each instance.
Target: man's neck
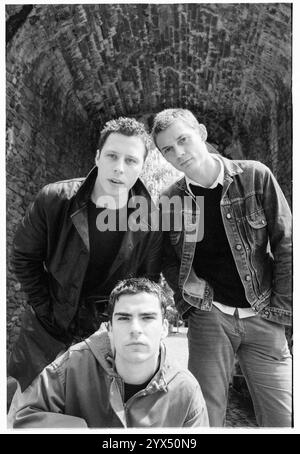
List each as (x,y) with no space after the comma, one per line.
(207,174)
(137,373)
(102,199)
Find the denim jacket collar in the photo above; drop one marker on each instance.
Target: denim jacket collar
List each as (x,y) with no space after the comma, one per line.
(231,169)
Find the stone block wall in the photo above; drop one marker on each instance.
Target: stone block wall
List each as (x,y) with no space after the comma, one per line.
(71,67)
(46,139)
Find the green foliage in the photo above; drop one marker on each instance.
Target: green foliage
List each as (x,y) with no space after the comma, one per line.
(158,174)
(171,314)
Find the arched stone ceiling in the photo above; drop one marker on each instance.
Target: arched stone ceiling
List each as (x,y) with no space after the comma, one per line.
(231,63)
(72,67)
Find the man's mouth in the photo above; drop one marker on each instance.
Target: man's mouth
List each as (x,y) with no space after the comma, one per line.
(116,181)
(182,163)
(134,344)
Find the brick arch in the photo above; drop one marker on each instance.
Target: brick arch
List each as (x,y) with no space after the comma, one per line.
(72,67)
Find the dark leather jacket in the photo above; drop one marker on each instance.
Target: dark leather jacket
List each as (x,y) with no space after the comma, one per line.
(51,253)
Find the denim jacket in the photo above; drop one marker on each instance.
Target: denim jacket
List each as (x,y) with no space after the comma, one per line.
(257,222)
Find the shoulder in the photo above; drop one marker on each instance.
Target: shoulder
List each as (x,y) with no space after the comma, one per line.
(179,377)
(61,189)
(176,188)
(252,166)
(55,196)
(185,392)
(75,353)
(183,379)
(247,173)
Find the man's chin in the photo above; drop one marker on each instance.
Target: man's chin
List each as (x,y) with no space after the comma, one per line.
(137,357)
(117,190)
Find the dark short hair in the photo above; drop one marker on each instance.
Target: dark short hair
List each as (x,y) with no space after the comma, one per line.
(134,286)
(128,127)
(166,117)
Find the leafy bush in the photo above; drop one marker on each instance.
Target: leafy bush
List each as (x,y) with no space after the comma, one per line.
(158,174)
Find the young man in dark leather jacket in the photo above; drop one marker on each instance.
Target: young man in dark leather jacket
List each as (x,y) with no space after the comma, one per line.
(68,263)
(229,264)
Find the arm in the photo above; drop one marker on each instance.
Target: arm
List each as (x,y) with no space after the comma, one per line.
(29,253)
(279,221)
(170,265)
(42,404)
(153,261)
(170,261)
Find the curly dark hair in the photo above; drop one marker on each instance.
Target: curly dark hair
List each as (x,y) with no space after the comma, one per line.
(134,286)
(127,127)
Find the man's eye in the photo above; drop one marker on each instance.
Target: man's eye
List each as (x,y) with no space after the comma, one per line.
(130,161)
(182,139)
(167,151)
(148,317)
(112,156)
(122,318)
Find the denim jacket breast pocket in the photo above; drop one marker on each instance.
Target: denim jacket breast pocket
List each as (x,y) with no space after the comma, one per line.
(256,228)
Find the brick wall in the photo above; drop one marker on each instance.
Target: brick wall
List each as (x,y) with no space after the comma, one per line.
(71,67)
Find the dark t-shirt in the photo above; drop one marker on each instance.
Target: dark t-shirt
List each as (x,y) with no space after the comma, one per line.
(104,245)
(213,260)
(131,390)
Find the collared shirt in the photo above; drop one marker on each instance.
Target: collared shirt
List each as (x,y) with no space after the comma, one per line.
(242,312)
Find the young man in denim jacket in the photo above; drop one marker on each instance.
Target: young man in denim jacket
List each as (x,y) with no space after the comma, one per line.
(228,261)
(120,378)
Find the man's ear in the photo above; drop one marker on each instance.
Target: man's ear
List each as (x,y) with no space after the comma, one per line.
(97,156)
(111,337)
(203,132)
(165,330)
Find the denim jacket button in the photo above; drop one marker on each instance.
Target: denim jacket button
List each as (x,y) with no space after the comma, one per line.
(247,277)
(228,215)
(238,247)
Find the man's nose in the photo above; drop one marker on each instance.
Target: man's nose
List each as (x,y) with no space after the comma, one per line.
(135,327)
(119,166)
(179,151)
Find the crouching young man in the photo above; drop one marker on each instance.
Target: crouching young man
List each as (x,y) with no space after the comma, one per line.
(120,377)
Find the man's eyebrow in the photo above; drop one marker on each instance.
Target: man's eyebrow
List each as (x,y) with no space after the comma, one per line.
(148,313)
(142,314)
(122,313)
(183,134)
(111,150)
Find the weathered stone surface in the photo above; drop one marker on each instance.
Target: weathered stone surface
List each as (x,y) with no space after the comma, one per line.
(71,67)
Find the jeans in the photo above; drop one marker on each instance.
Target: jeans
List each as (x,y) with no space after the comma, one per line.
(261,347)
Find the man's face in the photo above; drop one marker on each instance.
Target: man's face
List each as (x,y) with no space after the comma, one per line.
(120,163)
(137,328)
(183,146)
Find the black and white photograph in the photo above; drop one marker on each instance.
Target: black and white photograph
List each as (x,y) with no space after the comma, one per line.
(149,195)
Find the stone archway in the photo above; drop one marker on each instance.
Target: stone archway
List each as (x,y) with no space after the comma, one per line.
(71,67)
